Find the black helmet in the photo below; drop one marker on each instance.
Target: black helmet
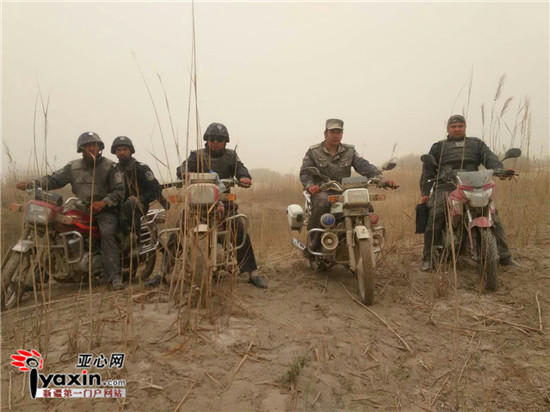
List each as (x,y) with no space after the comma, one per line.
(216,129)
(122,141)
(88,137)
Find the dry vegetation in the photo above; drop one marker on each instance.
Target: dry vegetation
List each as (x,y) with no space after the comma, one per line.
(304,344)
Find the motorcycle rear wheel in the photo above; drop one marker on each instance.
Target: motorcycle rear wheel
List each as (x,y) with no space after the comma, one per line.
(488,259)
(366,266)
(13,279)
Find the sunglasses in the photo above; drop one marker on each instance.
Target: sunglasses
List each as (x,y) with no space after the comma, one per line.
(219,139)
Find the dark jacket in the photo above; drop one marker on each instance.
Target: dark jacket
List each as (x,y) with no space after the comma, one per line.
(140,182)
(456,154)
(225,163)
(108,183)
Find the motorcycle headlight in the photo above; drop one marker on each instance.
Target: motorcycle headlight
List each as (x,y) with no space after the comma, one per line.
(203,193)
(36,213)
(479,197)
(356,197)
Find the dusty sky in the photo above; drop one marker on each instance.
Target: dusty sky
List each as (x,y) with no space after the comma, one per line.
(272,72)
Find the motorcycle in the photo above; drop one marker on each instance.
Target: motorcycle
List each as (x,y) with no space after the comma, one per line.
(209,229)
(56,244)
(351,234)
(471,210)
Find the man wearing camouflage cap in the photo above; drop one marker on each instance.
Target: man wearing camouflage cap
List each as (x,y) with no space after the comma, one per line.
(97,172)
(141,186)
(334,160)
(456,152)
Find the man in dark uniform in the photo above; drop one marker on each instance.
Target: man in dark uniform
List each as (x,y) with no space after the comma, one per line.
(225,162)
(456,152)
(141,186)
(334,160)
(108,193)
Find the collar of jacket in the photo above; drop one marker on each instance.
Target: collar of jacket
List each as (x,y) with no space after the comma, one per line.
(129,165)
(214,153)
(340,149)
(89,163)
(455,139)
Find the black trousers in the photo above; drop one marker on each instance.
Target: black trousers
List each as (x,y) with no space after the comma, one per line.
(107,221)
(130,216)
(436,220)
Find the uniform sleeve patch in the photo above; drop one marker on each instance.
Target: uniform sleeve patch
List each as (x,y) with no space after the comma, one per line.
(149,175)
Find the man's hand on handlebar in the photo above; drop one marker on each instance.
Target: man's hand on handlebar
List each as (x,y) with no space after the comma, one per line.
(390,184)
(424,199)
(313,189)
(245,182)
(22,185)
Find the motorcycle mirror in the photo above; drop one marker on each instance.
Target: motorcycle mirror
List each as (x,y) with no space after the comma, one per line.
(512,153)
(428,160)
(389,165)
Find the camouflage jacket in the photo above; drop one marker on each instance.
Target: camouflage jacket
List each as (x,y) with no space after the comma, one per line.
(108,185)
(140,182)
(335,167)
(456,154)
(225,163)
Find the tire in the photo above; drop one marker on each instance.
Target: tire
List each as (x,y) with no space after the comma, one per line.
(197,258)
(365,270)
(488,259)
(14,272)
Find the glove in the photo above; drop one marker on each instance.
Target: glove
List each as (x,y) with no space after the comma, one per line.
(313,189)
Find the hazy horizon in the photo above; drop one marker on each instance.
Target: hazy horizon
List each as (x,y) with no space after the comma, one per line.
(271,72)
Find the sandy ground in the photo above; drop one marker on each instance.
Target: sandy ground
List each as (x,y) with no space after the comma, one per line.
(304,344)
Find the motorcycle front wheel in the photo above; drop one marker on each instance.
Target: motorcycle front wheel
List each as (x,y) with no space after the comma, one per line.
(488,259)
(366,266)
(14,272)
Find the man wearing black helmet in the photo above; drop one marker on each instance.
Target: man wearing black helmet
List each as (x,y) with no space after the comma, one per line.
(453,153)
(96,181)
(217,158)
(141,186)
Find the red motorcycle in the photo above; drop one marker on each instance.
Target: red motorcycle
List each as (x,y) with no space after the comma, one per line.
(60,242)
(471,212)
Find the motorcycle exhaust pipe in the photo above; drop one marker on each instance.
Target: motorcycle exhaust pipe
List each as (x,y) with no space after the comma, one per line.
(329,241)
(298,245)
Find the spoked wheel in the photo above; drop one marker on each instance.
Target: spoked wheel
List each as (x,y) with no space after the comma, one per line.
(366,266)
(14,272)
(488,259)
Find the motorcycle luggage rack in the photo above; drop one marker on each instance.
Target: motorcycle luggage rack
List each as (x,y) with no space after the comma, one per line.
(74,235)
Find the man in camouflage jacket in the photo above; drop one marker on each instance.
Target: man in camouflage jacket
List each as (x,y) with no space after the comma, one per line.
(334,160)
(456,152)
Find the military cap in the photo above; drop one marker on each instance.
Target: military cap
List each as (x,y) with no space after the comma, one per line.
(456,118)
(334,124)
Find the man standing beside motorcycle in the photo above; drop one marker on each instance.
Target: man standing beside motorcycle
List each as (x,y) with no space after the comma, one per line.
(141,186)
(456,152)
(93,172)
(215,157)
(334,160)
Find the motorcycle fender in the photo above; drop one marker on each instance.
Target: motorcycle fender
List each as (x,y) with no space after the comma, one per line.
(23,246)
(481,221)
(361,232)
